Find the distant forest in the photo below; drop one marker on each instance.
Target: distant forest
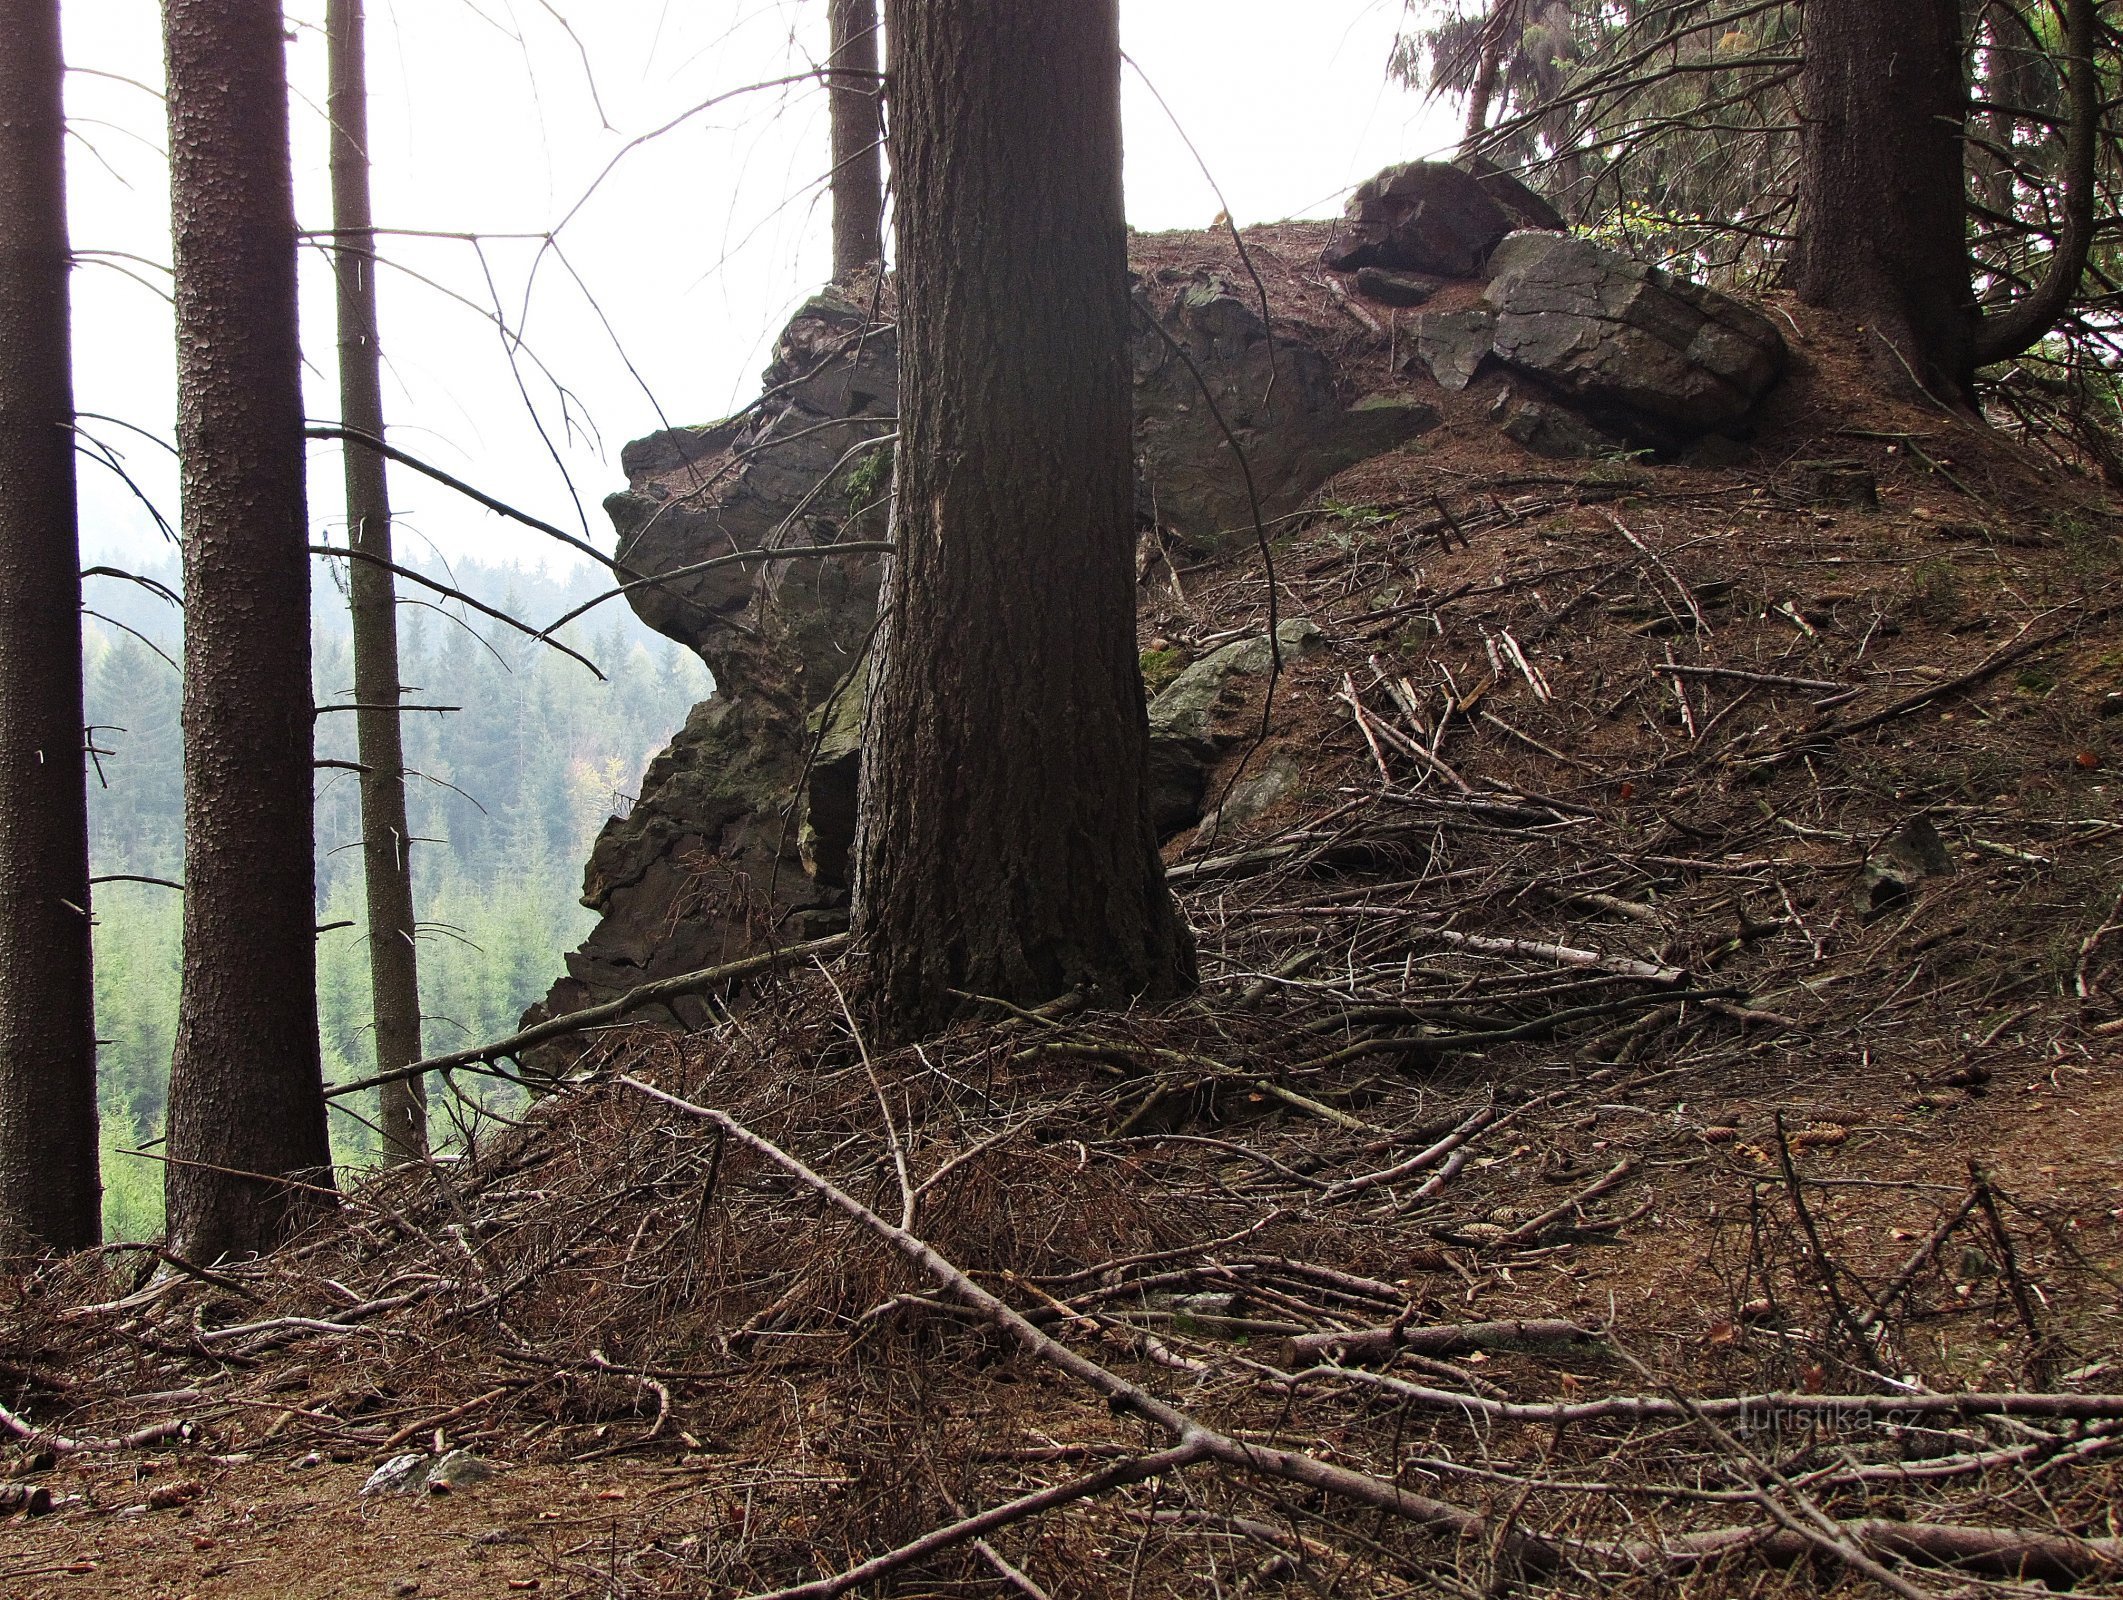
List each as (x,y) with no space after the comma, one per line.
(511,791)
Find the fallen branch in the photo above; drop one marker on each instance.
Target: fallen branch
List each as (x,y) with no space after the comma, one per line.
(1876,1410)
(1360,1344)
(976,1527)
(576,1021)
(1123,1396)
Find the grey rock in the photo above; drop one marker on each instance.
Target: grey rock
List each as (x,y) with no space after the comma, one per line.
(1526,207)
(1891,877)
(399,1475)
(458,1469)
(1254,796)
(1396,288)
(1556,432)
(1452,345)
(1196,719)
(705,867)
(1281,398)
(1668,359)
(1426,216)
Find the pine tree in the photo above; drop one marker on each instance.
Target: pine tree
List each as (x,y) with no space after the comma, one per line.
(49,1190)
(1005,844)
(246,1105)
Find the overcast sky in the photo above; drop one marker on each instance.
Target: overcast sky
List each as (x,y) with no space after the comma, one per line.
(674,272)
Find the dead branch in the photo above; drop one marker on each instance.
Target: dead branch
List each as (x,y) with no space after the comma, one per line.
(576,1021)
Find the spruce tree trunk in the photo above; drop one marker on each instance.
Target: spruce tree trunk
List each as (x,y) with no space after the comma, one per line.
(246,1101)
(1883,207)
(1489,67)
(386,840)
(1005,845)
(49,1191)
(858,128)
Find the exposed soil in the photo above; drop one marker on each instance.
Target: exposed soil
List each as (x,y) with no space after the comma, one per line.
(1731,874)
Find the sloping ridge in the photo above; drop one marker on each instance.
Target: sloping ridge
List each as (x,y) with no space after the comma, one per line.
(1680,967)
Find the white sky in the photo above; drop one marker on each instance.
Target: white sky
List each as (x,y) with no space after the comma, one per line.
(695,247)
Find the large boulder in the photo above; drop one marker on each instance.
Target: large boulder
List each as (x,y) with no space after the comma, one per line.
(1431,216)
(1280,396)
(1638,349)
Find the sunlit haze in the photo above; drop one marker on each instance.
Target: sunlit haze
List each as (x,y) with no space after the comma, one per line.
(673,265)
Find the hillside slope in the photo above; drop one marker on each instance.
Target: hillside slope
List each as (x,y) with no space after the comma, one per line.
(1677,956)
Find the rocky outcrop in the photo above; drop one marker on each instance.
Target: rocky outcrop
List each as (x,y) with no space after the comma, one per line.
(721,853)
(1281,397)
(708,864)
(1653,351)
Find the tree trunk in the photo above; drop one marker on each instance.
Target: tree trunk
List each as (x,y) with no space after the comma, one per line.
(48,1183)
(1489,67)
(858,131)
(1883,208)
(246,1101)
(386,840)
(1005,845)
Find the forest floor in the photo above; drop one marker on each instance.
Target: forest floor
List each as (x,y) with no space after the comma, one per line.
(1689,966)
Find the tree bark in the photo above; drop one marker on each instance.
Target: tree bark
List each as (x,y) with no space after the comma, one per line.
(1005,843)
(49,1190)
(858,134)
(246,1100)
(1883,207)
(1489,67)
(386,839)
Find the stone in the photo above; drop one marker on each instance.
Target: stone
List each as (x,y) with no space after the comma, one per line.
(835,728)
(1193,722)
(1847,484)
(1526,207)
(458,1469)
(1556,432)
(1253,797)
(1891,877)
(1452,345)
(1281,398)
(1426,216)
(1663,359)
(399,1475)
(1396,288)
(709,865)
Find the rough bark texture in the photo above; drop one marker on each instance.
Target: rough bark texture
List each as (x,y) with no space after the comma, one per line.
(1883,223)
(858,131)
(48,1184)
(386,840)
(1006,844)
(246,1102)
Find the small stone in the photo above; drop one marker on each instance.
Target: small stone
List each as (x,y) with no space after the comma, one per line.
(406,1587)
(399,1475)
(460,1469)
(1391,288)
(313,1459)
(1834,483)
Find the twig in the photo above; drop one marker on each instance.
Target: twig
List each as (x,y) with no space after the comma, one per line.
(576,1021)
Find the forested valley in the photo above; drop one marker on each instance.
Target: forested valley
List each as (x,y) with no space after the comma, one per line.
(513,785)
